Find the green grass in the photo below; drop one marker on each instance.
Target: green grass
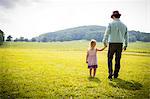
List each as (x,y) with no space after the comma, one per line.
(58,70)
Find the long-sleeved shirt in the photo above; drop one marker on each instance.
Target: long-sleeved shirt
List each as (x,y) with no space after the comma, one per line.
(116,32)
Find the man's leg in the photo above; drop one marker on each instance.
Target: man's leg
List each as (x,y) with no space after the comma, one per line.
(117,60)
(111,51)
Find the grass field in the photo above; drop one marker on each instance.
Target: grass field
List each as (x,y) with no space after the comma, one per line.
(58,70)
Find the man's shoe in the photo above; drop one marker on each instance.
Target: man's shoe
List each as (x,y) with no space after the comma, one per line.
(110,77)
(116,76)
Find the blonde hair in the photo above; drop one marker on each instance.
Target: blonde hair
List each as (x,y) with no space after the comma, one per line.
(92,41)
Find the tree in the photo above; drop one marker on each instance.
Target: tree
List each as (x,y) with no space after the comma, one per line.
(26,40)
(1,37)
(146,38)
(44,39)
(33,40)
(9,38)
(16,40)
(21,38)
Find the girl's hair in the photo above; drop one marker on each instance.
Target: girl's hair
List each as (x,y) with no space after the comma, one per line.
(92,41)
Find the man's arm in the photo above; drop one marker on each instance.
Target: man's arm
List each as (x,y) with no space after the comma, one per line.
(126,39)
(106,35)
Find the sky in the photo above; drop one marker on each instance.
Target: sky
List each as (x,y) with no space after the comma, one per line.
(30,18)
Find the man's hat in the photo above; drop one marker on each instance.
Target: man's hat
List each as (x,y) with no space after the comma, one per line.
(116,14)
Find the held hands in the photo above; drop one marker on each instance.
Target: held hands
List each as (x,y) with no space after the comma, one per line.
(105,44)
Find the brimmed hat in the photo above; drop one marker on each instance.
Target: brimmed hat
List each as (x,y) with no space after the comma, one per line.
(116,14)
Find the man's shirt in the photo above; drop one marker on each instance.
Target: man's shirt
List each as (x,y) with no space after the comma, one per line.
(116,32)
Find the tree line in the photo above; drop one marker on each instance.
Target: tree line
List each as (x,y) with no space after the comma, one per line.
(21,39)
(78,33)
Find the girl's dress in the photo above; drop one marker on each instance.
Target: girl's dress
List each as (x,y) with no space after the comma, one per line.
(92,58)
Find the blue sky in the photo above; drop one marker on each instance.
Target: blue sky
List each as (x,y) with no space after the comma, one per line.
(30,18)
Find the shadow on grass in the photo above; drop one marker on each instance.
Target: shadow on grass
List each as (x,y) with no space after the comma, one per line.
(94,79)
(129,85)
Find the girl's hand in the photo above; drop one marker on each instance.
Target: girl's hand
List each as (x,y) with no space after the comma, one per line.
(86,61)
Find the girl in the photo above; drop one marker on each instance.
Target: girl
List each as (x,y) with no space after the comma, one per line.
(91,58)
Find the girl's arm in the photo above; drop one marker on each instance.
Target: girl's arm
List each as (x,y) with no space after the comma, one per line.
(101,48)
(87,57)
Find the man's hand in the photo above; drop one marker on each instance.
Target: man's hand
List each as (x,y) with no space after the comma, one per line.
(105,44)
(124,48)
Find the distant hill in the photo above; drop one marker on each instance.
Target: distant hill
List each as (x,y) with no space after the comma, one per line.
(87,33)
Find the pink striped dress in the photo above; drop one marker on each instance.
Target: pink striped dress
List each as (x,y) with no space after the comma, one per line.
(92,58)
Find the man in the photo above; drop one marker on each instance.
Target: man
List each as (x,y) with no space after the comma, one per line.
(115,34)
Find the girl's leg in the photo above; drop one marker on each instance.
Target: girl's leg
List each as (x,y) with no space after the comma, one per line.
(90,72)
(94,72)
